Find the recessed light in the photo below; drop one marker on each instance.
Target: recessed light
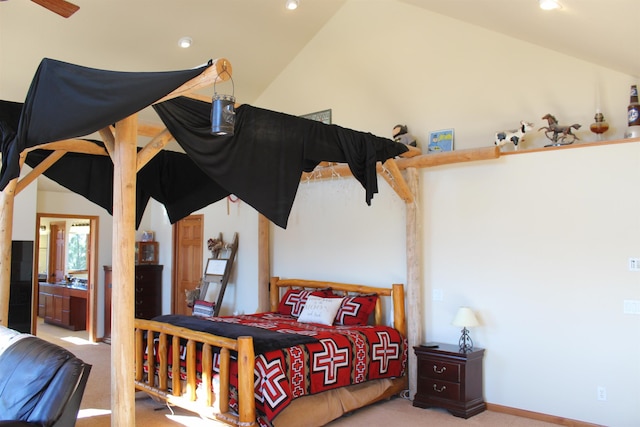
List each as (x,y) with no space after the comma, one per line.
(185,42)
(292,4)
(549,4)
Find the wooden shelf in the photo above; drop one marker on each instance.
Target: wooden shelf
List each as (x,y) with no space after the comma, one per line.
(576,145)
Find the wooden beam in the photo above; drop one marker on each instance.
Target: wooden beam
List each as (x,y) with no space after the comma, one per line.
(7,199)
(152,148)
(150,129)
(449,157)
(71,146)
(420,161)
(220,71)
(39,170)
(391,173)
(108,139)
(414,276)
(123,257)
(264,266)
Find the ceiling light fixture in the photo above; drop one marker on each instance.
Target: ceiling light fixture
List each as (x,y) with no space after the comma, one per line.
(292,4)
(185,42)
(549,4)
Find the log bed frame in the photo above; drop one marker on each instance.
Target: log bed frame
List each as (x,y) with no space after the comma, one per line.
(185,396)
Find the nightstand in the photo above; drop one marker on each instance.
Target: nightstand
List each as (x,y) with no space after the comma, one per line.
(450,379)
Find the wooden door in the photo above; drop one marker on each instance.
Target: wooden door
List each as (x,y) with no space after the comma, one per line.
(57,253)
(188,244)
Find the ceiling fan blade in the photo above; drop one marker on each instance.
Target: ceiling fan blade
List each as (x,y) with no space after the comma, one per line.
(61,7)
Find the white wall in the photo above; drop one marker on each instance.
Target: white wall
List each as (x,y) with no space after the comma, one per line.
(24,211)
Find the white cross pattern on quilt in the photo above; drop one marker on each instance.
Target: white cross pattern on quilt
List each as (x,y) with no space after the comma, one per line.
(269,376)
(297,301)
(384,351)
(330,360)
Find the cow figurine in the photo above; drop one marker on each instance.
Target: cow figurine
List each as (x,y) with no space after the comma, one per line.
(514,136)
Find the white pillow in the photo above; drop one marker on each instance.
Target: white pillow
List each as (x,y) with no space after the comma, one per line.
(320,310)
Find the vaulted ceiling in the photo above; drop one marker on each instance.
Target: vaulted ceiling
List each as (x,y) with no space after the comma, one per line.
(260,37)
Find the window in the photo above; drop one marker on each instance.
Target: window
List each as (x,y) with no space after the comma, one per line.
(77,247)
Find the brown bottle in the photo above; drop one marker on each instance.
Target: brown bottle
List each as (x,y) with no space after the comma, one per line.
(633,110)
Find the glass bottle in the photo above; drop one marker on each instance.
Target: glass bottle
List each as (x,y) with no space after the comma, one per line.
(633,114)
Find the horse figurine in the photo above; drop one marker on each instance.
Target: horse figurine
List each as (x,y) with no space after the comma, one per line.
(558,134)
(514,136)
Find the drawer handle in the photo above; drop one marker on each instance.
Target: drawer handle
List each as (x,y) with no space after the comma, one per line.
(439,371)
(139,289)
(435,388)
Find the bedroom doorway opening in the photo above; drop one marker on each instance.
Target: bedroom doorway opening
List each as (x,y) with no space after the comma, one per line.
(188,244)
(65,275)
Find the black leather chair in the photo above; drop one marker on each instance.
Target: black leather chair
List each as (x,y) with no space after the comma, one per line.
(41,384)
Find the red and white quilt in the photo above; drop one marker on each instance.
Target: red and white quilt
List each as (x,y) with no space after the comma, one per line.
(341,356)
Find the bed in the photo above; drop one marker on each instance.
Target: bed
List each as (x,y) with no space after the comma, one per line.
(308,379)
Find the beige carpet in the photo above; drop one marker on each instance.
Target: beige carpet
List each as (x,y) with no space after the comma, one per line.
(95,408)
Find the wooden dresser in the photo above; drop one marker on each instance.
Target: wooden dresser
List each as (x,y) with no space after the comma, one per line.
(148,294)
(450,379)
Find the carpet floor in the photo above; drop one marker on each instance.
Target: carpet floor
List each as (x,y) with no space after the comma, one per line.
(95,408)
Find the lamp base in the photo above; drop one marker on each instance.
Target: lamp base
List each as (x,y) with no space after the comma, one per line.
(465,343)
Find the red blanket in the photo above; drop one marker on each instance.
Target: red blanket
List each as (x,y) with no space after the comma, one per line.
(343,355)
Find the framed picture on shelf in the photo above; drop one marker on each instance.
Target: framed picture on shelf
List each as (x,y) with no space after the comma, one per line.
(440,141)
(323,116)
(148,236)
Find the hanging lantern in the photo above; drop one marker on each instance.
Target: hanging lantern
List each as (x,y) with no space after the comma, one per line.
(223,114)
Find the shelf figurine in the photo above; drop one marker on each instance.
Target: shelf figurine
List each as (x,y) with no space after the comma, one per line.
(558,135)
(400,134)
(515,136)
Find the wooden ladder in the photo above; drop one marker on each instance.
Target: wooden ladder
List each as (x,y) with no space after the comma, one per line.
(217,275)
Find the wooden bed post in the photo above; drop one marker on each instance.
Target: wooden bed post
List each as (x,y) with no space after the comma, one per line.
(264,267)
(414,286)
(6,228)
(123,259)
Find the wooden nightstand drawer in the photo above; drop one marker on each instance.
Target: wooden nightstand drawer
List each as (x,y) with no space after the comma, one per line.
(438,370)
(449,378)
(440,389)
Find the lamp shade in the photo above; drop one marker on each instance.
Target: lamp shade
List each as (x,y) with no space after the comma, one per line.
(465,318)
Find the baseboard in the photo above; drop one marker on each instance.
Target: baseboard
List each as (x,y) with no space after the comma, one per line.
(553,419)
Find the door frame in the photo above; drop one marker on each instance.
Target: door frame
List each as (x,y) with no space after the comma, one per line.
(92,265)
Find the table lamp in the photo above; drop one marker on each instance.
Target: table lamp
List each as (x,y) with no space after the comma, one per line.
(465,318)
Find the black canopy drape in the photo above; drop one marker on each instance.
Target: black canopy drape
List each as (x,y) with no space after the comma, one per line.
(261,163)
(264,159)
(68,101)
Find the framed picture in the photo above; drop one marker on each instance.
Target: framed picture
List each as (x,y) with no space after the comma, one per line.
(441,140)
(323,116)
(215,267)
(147,236)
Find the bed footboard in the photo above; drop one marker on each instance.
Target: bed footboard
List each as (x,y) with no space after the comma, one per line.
(158,381)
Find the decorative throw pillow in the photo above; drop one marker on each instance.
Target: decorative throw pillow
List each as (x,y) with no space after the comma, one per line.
(356,309)
(293,300)
(203,308)
(320,310)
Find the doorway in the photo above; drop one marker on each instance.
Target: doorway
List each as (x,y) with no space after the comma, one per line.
(65,272)
(187,260)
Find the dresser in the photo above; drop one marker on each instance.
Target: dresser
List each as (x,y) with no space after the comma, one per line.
(450,379)
(148,294)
